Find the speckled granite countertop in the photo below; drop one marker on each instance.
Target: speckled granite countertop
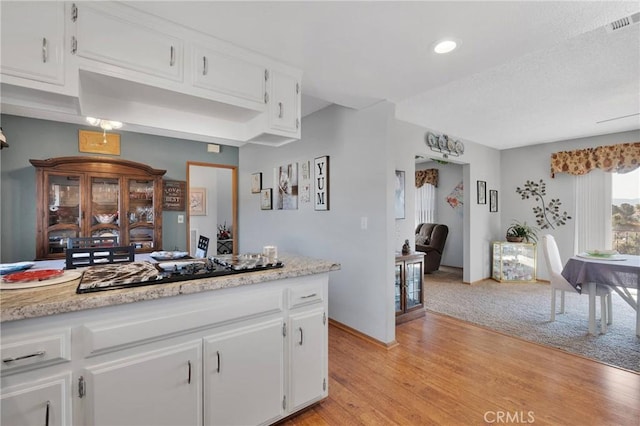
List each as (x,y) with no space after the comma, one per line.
(61,298)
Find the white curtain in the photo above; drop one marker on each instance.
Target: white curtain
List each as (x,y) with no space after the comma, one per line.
(425,204)
(593,211)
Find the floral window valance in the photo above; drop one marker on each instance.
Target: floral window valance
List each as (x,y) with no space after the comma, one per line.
(427,176)
(621,158)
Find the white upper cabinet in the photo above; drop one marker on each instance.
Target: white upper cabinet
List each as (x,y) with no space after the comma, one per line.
(284,108)
(111,36)
(229,74)
(32,40)
(110,59)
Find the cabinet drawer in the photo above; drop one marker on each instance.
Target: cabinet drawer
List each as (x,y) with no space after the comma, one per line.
(306,294)
(35,351)
(107,336)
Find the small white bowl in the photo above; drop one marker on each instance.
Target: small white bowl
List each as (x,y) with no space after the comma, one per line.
(105,218)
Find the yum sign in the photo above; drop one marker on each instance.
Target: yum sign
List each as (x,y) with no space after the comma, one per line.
(321,183)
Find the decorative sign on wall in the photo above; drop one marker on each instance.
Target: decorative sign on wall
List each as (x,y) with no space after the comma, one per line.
(98,143)
(173,195)
(321,183)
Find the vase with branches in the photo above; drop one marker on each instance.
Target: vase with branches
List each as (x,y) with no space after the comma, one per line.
(547,214)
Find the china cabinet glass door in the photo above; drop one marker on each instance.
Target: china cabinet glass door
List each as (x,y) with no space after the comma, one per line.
(413,282)
(141,213)
(63,212)
(105,207)
(398,289)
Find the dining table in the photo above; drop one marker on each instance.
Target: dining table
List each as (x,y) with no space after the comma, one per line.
(620,272)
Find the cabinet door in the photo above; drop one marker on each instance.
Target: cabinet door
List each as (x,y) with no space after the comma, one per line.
(104,210)
(413,284)
(229,75)
(44,402)
(32,38)
(156,388)
(120,41)
(244,375)
(308,348)
(284,109)
(399,288)
(141,213)
(62,212)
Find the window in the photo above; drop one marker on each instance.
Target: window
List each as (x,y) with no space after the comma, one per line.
(625,212)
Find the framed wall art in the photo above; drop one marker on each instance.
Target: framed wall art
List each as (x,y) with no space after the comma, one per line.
(321,183)
(198,201)
(286,183)
(98,142)
(256,183)
(265,199)
(399,194)
(493,200)
(482,192)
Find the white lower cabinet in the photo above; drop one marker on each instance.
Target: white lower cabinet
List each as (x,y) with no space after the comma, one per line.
(308,363)
(244,375)
(155,388)
(251,355)
(43,402)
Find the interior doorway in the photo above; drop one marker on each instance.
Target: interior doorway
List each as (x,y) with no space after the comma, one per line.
(213,207)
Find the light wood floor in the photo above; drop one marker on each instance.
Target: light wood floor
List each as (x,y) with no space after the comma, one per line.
(449,372)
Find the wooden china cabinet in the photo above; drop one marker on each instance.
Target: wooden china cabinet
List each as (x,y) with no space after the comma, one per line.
(97,196)
(409,286)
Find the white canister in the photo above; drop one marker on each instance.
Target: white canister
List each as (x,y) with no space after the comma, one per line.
(270,252)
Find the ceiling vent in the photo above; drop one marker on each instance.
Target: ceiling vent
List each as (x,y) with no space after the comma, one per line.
(623,23)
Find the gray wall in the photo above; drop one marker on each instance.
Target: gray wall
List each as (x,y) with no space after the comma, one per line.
(30,138)
(533,163)
(361,185)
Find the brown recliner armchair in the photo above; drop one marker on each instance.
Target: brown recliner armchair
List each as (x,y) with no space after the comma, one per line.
(430,239)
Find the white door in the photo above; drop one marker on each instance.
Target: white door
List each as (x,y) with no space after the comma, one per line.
(244,375)
(155,388)
(32,38)
(308,349)
(44,402)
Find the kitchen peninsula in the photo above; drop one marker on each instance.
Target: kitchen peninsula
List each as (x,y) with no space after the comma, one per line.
(248,348)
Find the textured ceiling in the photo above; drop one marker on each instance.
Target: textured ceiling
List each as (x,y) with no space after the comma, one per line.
(525,72)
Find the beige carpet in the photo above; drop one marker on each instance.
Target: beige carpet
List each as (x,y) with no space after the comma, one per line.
(523,310)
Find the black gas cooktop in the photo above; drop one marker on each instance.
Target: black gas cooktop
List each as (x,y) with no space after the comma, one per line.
(134,274)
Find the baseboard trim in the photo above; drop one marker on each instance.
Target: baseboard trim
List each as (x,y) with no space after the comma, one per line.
(361,335)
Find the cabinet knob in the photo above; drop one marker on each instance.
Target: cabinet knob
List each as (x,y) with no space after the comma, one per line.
(281,110)
(205,67)
(301,336)
(172,56)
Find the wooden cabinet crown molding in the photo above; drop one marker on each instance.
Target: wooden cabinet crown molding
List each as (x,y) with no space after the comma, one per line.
(82,163)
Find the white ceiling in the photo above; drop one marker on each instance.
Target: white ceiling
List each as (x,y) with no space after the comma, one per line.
(525,72)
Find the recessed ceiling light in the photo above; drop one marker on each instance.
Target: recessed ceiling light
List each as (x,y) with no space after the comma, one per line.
(445,46)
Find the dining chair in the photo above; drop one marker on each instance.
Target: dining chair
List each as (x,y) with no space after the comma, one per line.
(203,247)
(559,283)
